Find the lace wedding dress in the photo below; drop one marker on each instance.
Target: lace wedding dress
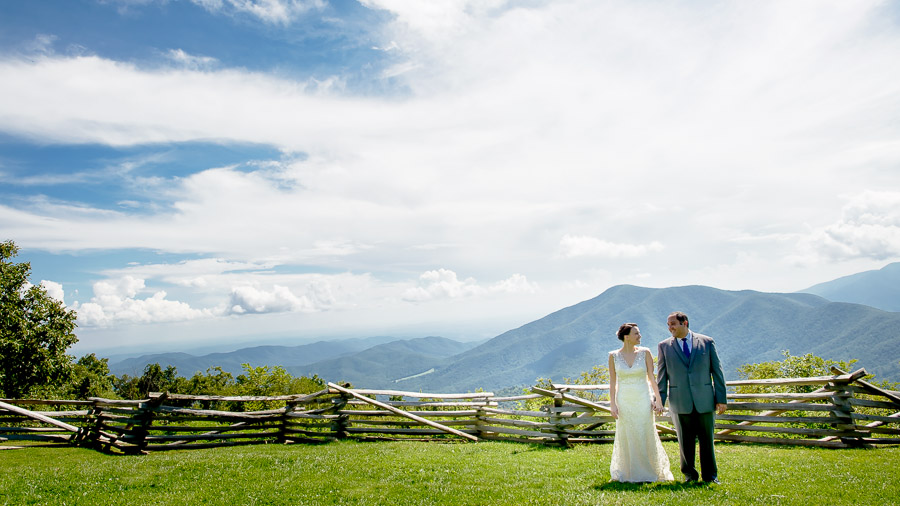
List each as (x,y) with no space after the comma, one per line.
(638,455)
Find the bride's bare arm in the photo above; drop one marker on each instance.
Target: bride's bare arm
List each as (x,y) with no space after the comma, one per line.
(613,409)
(657,405)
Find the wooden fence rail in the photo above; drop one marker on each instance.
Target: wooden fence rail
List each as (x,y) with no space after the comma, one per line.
(835,411)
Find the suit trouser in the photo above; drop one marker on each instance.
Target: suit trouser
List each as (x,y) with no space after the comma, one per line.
(691,428)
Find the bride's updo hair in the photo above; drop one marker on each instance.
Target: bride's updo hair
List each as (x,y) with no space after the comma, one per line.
(624,330)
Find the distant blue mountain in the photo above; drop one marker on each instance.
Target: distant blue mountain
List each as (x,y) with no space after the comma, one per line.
(387,365)
(748,326)
(187,364)
(878,288)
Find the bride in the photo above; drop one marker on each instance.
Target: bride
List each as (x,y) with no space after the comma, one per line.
(638,455)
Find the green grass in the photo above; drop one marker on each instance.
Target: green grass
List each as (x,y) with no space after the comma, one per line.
(437,473)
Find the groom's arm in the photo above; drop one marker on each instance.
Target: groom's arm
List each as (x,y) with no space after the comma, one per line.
(715,368)
(662,376)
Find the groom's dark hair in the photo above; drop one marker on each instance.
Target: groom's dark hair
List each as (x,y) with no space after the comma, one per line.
(624,330)
(681,317)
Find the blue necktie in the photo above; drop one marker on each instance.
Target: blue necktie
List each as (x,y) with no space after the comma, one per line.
(687,352)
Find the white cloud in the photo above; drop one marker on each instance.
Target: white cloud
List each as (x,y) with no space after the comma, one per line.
(577,246)
(869,228)
(724,130)
(180,57)
(279,299)
(442,283)
(517,283)
(54,290)
(116,301)
(269,11)
(445,284)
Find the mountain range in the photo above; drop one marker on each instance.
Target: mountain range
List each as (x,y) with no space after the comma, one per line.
(256,356)
(748,326)
(878,288)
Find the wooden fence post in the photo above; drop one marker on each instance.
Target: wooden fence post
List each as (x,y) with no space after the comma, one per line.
(480,423)
(843,412)
(289,407)
(146,412)
(342,422)
(556,419)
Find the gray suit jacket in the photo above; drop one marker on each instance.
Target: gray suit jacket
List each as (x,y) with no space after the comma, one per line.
(698,383)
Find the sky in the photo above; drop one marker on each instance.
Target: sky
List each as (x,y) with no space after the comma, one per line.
(212,173)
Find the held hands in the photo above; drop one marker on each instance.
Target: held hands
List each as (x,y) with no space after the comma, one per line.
(657,406)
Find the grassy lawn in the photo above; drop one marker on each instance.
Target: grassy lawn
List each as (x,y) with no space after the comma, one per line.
(437,473)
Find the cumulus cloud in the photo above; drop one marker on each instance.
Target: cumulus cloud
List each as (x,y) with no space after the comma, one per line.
(54,290)
(269,11)
(577,246)
(869,228)
(445,284)
(278,299)
(116,301)
(514,124)
(180,57)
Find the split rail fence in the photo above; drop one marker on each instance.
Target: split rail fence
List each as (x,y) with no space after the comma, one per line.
(835,411)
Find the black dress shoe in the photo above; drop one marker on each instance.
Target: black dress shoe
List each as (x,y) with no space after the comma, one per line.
(714,480)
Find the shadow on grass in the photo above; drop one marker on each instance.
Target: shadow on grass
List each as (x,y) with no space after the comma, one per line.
(537,448)
(616,486)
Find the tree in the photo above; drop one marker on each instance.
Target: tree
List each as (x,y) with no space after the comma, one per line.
(91,378)
(35,332)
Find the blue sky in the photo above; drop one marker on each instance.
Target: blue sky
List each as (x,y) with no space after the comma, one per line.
(194,173)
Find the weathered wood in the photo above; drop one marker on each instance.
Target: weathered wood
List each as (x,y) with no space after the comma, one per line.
(204,446)
(772,413)
(519,432)
(782,441)
(513,423)
(565,387)
(99,401)
(838,378)
(407,422)
(424,414)
(593,405)
(47,402)
(223,398)
(771,419)
(879,418)
(436,404)
(134,426)
(516,398)
(597,433)
(214,413)
(203,437)
(514,412)
(401,412)
(880,440)
(872,404)
(801,397)
(760,406)
(39,417)
(421,395)
(872,388)
(54,430)
(586,420)
(801,431)
(571,398)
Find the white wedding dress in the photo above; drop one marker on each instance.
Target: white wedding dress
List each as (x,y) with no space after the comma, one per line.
(638,455)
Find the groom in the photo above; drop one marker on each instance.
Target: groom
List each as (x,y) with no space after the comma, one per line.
(690,375)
